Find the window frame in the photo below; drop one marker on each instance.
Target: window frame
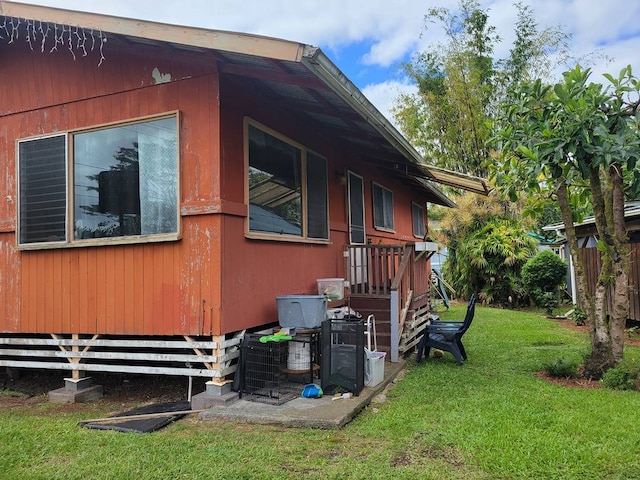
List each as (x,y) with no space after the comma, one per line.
(386,194)
(304,179)
(70,241)
(422,220)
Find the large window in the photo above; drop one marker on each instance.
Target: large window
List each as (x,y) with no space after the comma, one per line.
(382,207)
(114,182)
(287,187)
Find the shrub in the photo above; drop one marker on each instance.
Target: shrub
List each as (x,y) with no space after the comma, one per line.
(547,300)
(562,368)
(624,376)
(542,276)
(579,315)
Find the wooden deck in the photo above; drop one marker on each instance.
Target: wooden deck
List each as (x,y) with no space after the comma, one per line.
(391,282)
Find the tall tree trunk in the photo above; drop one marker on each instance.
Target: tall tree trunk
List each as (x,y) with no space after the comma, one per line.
(621,266)
(601,357)
(594,304)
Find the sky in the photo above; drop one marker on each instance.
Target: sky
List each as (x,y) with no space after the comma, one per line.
(369,40)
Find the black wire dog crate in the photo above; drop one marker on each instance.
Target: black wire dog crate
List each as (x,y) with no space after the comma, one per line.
(266,369)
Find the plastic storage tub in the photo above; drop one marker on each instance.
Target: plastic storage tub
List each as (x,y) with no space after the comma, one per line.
(332,288)
(301,311)
(374,368)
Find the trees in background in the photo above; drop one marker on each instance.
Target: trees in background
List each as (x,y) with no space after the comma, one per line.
(572,141)
(487,246)
(460,84)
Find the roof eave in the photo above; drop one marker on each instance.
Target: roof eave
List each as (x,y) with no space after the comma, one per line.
(261,46)
(321,66)
(243,43)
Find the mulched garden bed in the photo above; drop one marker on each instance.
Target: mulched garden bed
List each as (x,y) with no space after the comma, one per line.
(579,382)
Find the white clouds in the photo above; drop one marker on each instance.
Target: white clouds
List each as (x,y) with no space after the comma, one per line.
(383,95)
(389,30)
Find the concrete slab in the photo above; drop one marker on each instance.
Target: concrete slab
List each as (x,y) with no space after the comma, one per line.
(322,413)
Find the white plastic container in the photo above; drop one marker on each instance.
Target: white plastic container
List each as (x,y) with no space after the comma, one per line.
(374,368)
(301,311)
(299,358)
(332,288)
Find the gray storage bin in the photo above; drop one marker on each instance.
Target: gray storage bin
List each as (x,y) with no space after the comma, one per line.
(301,311)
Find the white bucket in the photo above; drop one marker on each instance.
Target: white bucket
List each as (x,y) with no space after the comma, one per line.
(299,356)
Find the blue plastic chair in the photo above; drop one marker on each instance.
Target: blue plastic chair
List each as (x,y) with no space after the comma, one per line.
(446,335)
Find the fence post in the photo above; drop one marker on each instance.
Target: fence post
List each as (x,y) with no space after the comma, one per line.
(395,321)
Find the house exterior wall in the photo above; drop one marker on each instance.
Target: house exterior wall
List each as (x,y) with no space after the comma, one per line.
(148,288)
(255,271)
(213,280)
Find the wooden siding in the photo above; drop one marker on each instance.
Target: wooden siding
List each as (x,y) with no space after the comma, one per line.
(254,272)
(150,289)
(592,269)
(213,281)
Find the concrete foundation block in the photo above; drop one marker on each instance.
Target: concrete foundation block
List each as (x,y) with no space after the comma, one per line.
(206,400)
(213,388)
(77,384)
(76,391)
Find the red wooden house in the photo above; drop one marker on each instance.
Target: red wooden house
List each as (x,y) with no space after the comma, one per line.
(161,185)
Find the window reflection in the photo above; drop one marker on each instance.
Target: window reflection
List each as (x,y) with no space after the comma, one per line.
(125,180)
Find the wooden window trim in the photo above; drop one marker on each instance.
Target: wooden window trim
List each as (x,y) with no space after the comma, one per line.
(70,241)
(272,236)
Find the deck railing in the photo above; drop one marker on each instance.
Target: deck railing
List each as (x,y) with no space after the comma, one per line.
(372,268)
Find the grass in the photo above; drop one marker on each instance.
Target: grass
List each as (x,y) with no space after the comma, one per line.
(489,419)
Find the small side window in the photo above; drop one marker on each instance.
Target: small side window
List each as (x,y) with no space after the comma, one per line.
(382,207)
(417,213)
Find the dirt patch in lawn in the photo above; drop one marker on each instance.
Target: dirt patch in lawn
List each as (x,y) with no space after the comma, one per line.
(121,392)
(569,382)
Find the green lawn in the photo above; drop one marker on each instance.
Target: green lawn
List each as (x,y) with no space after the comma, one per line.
(489,419)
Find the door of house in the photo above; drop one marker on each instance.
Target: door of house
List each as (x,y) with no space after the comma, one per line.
(358,259)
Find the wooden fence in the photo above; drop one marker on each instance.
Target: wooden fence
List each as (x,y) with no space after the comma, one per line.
(592,265)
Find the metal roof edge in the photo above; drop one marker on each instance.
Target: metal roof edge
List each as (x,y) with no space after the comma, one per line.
(631,210)
(467,182)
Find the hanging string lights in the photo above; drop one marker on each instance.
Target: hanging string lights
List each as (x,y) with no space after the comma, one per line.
(49,37)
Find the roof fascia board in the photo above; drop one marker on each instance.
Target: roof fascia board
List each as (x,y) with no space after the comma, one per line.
(198,37)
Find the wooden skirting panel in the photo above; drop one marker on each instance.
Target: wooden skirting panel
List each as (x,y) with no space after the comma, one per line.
(413,328)
(189,356)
